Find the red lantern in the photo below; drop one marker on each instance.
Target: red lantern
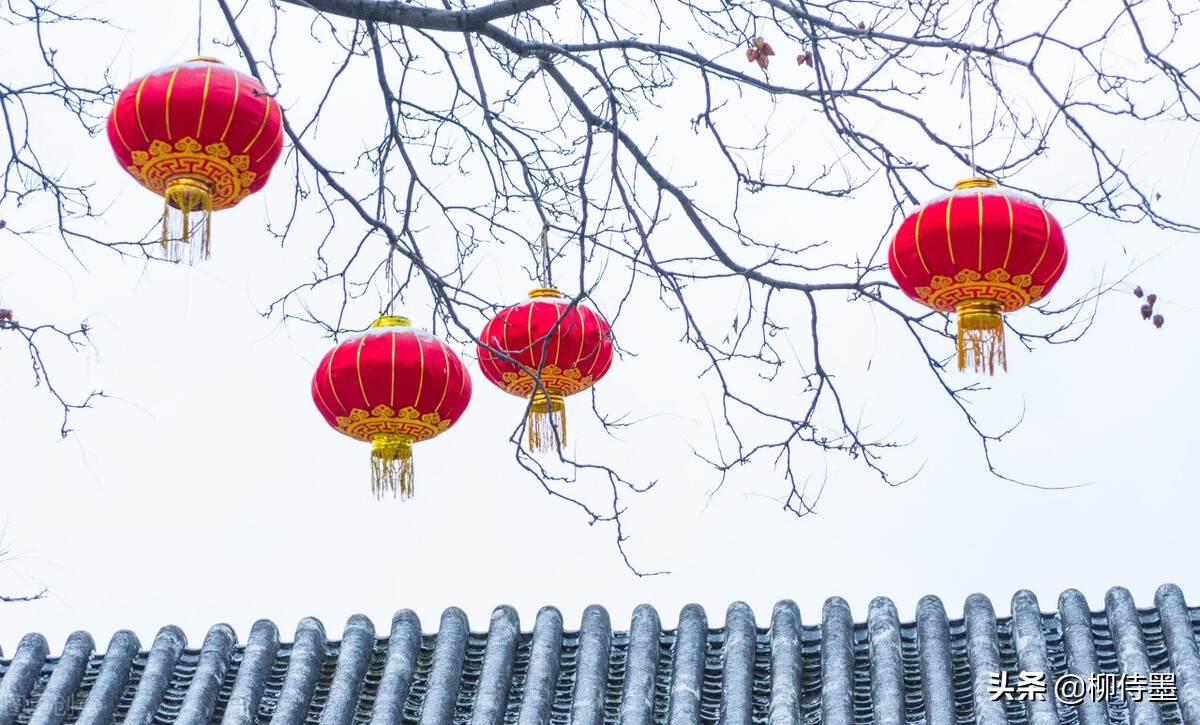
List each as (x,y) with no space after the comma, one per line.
(201,135)
(566,347)
(392,386)
(978,252)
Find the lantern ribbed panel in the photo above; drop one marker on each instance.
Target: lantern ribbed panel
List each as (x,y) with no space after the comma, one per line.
(200,135)
(978,243)
(978,252)
(199,118)
(570,345)
(408,372)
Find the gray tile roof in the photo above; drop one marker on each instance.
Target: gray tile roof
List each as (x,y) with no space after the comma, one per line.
(934,671)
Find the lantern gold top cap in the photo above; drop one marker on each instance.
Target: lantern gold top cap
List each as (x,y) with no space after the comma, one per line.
(391,321)
(986,308)
(544,292)
(205,59)
(976,183)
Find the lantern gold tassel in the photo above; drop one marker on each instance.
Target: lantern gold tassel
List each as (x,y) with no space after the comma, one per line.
(391,465)
(187,219)
(547,422)
(981,336)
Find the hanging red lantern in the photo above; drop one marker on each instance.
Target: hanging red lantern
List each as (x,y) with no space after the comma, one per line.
(202,136)
(391,386)
(978,252)
(566,347)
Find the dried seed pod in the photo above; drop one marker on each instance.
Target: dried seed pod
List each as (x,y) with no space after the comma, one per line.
(1158,321)
(1137,291)
(1152,298)
(1147,310)
(862,25)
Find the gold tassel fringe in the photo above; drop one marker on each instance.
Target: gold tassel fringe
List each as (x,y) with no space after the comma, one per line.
(392,465)
(187,220)
(547,422)
(981,336)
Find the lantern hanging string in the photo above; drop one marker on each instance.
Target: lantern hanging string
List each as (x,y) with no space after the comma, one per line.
(199,26)
(545,241)
(390,272)
(966,66)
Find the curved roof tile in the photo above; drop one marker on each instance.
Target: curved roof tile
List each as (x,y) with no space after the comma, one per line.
(933,671)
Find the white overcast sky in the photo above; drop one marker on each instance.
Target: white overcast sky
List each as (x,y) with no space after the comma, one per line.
(208,489)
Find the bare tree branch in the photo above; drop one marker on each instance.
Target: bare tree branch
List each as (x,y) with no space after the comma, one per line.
(415,16)
(481,123)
